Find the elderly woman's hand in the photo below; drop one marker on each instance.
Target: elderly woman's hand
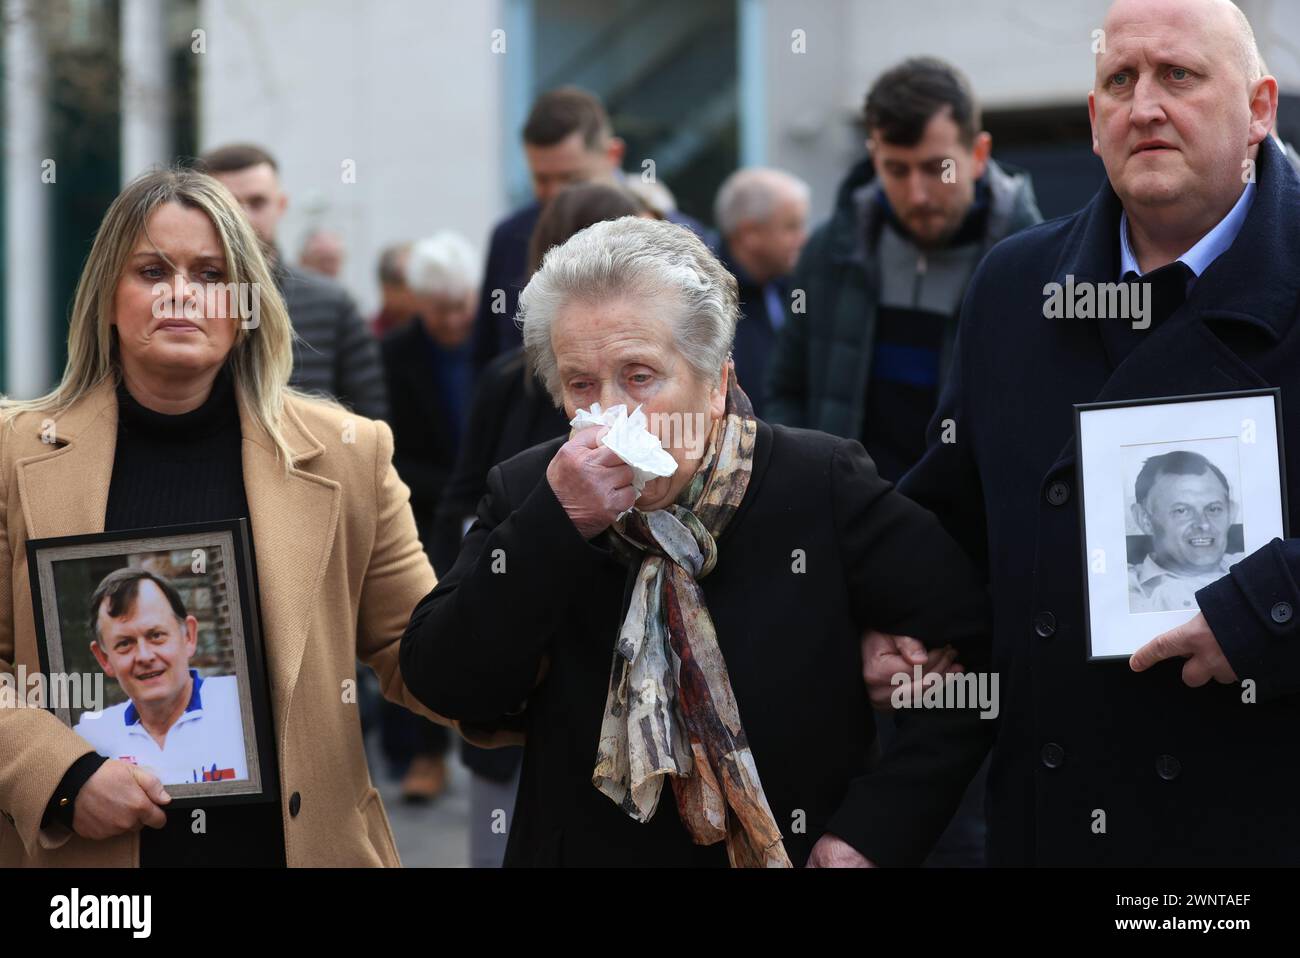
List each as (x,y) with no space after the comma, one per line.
(833,852)
(886,656)
(592,483)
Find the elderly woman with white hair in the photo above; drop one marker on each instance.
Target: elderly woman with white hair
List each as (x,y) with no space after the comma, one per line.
(704,629)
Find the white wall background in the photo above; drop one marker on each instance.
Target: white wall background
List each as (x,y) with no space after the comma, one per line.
(408,89)
(411,90)
(1017,53)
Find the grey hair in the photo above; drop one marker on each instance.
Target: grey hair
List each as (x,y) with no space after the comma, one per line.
(751,194)
(445,264)
(631,256)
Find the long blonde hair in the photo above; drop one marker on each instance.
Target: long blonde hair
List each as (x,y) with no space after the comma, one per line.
(261,358)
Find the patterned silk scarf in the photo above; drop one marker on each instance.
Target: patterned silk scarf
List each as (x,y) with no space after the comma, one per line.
(670,709)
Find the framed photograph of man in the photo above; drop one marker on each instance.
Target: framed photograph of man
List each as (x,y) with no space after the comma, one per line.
(1173,493)
(165,622)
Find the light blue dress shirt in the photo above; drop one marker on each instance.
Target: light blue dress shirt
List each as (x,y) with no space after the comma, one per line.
(1208,248)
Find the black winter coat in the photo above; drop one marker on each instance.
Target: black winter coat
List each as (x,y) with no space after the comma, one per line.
(790,638)
(1183,775)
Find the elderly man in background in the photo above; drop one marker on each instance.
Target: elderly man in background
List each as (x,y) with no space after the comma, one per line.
(333,353)
(427,368)
(762,215)
(428,375)
(323,253)
(707,639)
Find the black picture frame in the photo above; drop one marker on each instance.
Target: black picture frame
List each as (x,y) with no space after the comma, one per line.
(1081,409)
(237,588)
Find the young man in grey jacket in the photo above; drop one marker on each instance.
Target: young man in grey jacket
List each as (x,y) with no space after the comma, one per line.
(875,298)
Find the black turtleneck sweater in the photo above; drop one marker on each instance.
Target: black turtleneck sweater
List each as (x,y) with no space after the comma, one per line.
(172,470)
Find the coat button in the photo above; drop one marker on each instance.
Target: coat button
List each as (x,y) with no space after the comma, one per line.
(1045,625)
(1053,755)
(1282,613)
(1058,493)
(1168,767)
(295,803)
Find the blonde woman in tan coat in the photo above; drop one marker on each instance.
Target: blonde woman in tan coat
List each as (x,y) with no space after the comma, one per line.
(160,421)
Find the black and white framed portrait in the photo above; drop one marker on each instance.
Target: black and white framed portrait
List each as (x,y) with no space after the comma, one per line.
(160,627)
(1174,492)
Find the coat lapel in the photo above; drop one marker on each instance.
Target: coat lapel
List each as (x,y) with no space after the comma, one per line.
(1184,356)
(64,491)
(293,519)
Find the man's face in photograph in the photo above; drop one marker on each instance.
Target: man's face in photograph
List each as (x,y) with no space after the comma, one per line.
(148,649)
(1187,518)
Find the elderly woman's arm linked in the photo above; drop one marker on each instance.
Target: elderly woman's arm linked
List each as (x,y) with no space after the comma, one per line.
(908,577)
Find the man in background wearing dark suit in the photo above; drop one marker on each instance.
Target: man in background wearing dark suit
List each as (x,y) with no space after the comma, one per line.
(762,216)
(567,139)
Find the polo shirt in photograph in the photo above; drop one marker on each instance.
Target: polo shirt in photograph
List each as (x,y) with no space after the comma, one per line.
(205,745)
(1153,588)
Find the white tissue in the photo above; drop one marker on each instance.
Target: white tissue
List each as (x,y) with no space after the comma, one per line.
(630,440)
